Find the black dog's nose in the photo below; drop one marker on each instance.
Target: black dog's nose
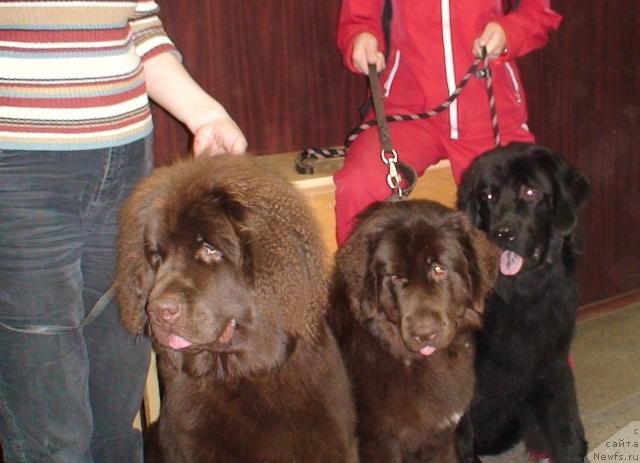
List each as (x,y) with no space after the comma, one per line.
(168,309)
(505,234)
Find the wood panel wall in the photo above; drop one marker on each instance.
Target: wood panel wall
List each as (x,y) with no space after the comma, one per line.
(274,65)
(584,101)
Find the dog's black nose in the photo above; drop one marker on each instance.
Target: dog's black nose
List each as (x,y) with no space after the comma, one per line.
(505,234)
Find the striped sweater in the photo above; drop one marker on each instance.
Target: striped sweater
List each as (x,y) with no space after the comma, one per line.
(71,73)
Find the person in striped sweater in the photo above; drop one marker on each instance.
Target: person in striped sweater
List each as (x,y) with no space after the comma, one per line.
(75,137)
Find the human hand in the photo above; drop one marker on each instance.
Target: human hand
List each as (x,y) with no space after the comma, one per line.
(172,87)
(493,38)
(365,52)
(220,135)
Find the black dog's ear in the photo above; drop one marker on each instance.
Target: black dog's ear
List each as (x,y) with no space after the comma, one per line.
(572,190)
(467,200)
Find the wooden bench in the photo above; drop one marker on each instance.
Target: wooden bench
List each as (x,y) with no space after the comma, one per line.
(436,184)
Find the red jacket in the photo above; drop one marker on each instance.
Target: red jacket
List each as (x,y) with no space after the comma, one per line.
(431,49)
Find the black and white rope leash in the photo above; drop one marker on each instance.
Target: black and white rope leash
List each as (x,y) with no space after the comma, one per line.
(485,73)
(304,160)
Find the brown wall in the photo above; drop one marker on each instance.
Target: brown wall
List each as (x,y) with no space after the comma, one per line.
(584,100)
(274,65)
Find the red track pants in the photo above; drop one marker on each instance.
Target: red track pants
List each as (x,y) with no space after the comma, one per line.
(362,179)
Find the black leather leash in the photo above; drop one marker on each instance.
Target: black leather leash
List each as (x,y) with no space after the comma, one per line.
(397,170)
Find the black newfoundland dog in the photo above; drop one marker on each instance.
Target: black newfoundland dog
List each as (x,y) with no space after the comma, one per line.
(409,291)
(527,199)
(222,262)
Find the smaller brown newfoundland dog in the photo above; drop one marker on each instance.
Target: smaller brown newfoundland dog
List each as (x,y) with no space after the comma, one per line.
(409,291)
(528,199)
(222,262)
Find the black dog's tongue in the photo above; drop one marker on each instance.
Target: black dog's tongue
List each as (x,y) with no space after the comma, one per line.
(510,263)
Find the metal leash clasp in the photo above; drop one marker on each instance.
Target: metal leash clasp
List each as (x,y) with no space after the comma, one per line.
(393,177)
(485,71)
(388,154)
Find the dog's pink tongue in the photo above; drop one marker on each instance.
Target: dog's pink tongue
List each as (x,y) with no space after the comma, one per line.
(427,350)
(510,263)
(178,342)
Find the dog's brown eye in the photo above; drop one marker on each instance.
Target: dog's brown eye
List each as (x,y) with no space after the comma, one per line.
(155,259)
(153,255)
(211,251)
(397,280)
(209,254)
(438,271)
(528,194)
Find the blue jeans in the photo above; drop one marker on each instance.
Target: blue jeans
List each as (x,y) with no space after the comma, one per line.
(70,397)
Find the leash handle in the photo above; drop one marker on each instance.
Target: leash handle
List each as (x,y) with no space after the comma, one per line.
(378,105)
(387,153)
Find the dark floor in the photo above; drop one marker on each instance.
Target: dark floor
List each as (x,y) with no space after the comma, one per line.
(606,353)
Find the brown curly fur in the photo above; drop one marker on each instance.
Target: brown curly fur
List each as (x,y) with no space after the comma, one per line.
(276,392)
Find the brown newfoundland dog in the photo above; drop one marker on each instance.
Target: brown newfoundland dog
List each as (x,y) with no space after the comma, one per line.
(409,291)
(223,263)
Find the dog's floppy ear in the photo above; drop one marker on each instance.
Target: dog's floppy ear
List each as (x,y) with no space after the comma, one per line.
(483,262)
(287,256)
(487,261)
(227,203)
(467,200)
(572,190)
(134,276)
(356,269)
(220,199)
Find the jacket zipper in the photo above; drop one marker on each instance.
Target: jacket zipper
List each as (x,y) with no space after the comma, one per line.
(392,75)
(449,67)
(514,82)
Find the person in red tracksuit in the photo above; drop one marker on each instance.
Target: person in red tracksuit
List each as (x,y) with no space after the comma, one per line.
(432,44)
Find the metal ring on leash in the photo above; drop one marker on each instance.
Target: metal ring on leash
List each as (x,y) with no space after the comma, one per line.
(393,177)
(388,154)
